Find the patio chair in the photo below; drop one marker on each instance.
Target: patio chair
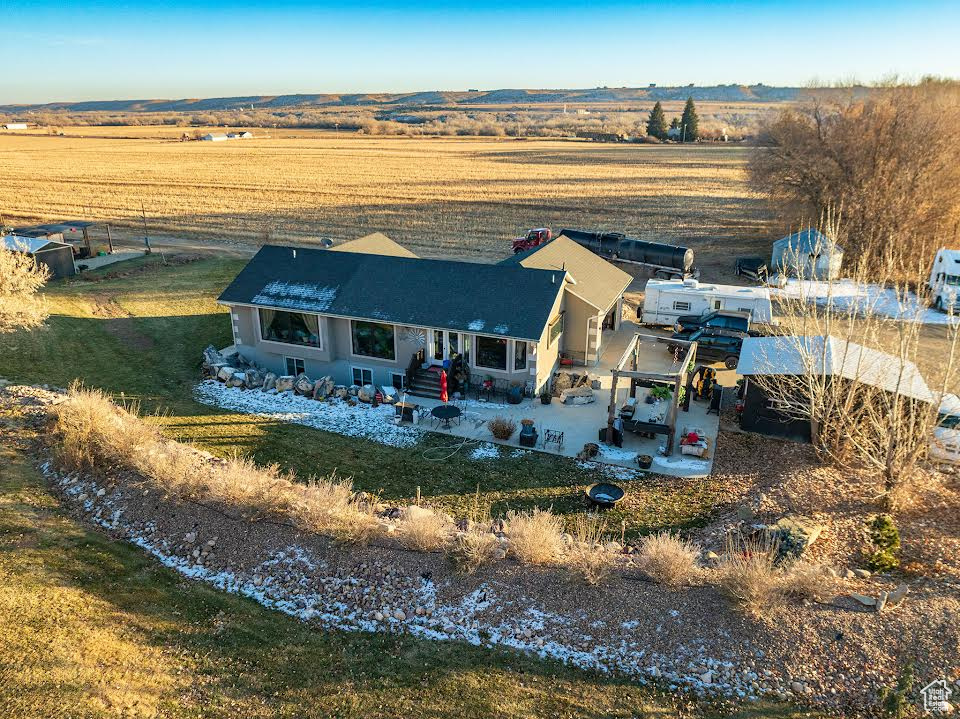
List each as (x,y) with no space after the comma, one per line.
(553,436)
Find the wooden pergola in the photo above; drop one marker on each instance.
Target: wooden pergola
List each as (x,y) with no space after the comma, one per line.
(673,374)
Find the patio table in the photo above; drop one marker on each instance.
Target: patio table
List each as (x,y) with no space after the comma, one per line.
(445,413)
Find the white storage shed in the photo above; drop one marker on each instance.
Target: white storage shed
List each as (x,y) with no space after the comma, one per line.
(808,254)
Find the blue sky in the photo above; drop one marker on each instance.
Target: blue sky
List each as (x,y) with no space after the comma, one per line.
(100,50)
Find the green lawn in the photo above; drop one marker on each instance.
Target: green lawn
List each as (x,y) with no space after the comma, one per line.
(137,330)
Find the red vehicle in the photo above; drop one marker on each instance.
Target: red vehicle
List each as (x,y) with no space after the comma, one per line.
(533,238)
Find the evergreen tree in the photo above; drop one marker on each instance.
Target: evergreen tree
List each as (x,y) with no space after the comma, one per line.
(657,123)
(690,122)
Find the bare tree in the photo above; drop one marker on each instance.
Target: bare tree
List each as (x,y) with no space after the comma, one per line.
(21,278)
(890,158)
(859,365)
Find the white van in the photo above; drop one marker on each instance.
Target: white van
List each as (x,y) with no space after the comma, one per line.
(944,281)
(666,300)
(946,437)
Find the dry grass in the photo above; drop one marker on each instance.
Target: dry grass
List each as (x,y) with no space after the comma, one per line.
(463,197)
(808,580)
(424,529)
(587,558)
(473,548)
(748,575)
(535,537)
(95,435)
(668,559)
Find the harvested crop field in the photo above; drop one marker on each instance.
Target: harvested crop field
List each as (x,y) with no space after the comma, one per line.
(442,196)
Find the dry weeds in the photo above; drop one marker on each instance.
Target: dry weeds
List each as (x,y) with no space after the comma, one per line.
(748,575)
(588,558)
(95,435)
(535,537)
(473,548)
(668,559)
(424,529)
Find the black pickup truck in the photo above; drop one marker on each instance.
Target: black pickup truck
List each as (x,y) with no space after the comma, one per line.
(719,346)
(719,320)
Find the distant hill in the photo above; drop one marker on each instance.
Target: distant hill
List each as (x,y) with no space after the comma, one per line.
(721,93)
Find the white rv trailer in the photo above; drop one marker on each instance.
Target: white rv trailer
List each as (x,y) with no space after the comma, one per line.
(666,300)
(944,280)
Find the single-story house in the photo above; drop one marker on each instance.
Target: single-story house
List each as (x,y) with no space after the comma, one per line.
(834,358)
(808,254)
(214,137)
(371,312)
(594,301)
(56,256)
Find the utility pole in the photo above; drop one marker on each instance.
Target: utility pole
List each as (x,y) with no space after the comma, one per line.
(683,133)
(146,237)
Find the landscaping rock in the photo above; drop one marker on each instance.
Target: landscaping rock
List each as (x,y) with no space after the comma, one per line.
(269,381)
(285,383)
(897,595)
(861,573)
(353,389)
(577,395)
(225,373)
(366,393)
(238,379)
(303,385)
(863,599)
(561,381)
(323,387)
(341,392)
(253,378)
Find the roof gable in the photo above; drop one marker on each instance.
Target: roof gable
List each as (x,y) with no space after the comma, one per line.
(596,281)
(375,243)
(509,301)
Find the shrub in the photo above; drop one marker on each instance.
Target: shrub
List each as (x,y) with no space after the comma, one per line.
(423,529)
(667,559)
(807,580)
(885,539)
(748,575)
(21,307)
(473,548)
(587,558)
(535,538)
(502,427)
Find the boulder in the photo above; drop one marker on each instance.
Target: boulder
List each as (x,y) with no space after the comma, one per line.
(285,383)
(577,395)
(323,387)
(561,382)
(269,381)
(863,599)
(225,373)
(212,356)
(238,379)
(253,379)
(897,595)
(366,393)
(353,390)
(303,385)
(341,392)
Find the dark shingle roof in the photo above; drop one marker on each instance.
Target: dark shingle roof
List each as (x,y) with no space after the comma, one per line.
(512,301)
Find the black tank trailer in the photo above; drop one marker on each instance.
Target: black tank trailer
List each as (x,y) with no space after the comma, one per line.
(667,261)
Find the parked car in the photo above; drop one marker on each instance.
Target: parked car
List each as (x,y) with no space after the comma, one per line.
(753,267)
(719,346)
(946,437)
(718,320)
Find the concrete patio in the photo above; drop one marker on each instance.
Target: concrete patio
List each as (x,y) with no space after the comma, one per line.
(581,424)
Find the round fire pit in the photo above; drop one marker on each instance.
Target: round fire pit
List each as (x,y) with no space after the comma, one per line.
(604,494)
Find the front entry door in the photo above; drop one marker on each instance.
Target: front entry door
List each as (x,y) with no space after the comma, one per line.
(438,347)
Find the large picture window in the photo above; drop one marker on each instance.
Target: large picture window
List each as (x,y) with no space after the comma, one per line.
(373,339)
(491,352)
(292,328)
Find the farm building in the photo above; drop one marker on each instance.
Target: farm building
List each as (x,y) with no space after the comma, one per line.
(841,360)
(15,126)
(243,135)
(808,254)
(56,256)
(214,137)
(76,233)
